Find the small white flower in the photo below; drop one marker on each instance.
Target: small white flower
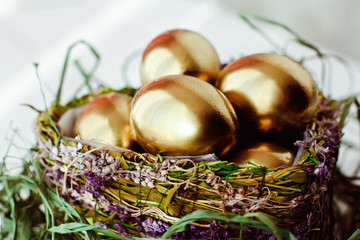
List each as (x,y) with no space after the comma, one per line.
(239,197)
(54,152)
(163,173)
(88,198)
(75,194)
(165,164)
(110,159)
(157,166)
(151,185)
(106,170)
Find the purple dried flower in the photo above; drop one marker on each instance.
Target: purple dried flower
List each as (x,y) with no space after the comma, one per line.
(139,228)
(94,183)
(217,232)
(302,228)
(77,188)
(123,214)
(179,235)
(58,174)
(214,232)
(257,234)
(120,229)
(154,227)
(100,224)
(138,219)
(322,171)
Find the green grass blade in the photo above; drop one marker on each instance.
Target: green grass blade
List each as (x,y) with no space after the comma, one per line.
(298,39)
(66,62)
(355,235)
(79,227)
(346,109)
(7,226)
(46,108)
(246,221)
(246,18)
(267,221)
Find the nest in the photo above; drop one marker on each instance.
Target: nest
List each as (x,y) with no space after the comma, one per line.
(141,195)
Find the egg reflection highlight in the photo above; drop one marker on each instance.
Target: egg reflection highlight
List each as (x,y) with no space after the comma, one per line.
(183,115)
(106,119)
(179,52)
(270,92)
(265,154)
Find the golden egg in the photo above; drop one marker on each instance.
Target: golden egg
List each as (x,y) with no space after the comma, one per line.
(180,52)
(183,115)
(270,92)
(106,119)
(265,154)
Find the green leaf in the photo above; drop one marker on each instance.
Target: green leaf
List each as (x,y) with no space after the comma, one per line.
(177,174)
(7,225)
(265,223)
(60,202)
(71,227)
(80,227)
(159,158)
(123,163)
(11,201)
(355,235)
(298,177)
(24,225)
(225,167)
(170,195)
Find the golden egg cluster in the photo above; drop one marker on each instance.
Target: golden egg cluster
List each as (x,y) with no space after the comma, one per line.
(189,105)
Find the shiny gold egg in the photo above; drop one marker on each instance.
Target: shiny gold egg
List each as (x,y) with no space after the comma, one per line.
(265,154)
(180,52)
(271,92)
(183,115)
(106,119)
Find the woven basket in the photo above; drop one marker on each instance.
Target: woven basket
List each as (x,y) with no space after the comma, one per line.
(138,194)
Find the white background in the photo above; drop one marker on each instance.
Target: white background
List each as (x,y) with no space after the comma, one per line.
(42,30)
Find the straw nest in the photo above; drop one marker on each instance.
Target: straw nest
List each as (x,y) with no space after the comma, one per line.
(138,194)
